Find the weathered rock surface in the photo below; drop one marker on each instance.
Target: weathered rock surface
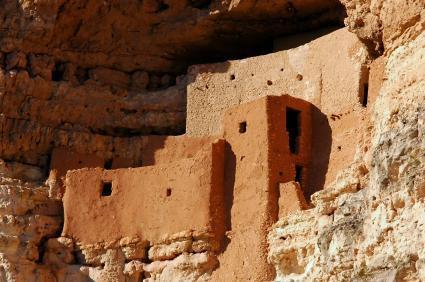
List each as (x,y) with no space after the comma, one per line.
(158,36)
(385,24)
(110,68)
(27,219)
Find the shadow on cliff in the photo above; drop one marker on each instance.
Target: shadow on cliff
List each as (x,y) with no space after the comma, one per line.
(321,142)
(229,189)
(152,144)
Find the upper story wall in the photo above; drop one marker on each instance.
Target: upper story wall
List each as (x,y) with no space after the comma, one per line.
(327,72)
(148,202)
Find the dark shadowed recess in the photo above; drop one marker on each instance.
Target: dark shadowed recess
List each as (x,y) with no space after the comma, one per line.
(167,36)
(256,39)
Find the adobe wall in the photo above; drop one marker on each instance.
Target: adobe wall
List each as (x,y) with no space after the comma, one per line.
(329,72)
(147,202)
(258,158)
(246,181)
(326,72)
(153,150)
(283,163)
(291,199)
(165,149)
(188,184)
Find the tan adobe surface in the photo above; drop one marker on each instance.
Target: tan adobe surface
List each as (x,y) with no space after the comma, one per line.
(326,72)
(148,202)
(257,160)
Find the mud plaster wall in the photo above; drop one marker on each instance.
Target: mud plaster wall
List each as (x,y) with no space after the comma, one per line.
(246,172)
(148,202)
(283,162)
(152,150)
(329,72)
(162,150)
(251,182)
(291,199)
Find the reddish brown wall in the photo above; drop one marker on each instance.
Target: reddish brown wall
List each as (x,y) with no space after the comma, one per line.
(328,72)
(165,149)
(154,150)
(291,198)
(246,182)
(256,162)
(139,205)
(282,161)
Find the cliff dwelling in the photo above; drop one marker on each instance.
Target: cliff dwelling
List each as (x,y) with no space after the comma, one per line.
(168,140)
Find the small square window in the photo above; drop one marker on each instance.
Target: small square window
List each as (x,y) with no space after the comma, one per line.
(293,127)
(365,94)
(242,127)
(108,164)
(106,189)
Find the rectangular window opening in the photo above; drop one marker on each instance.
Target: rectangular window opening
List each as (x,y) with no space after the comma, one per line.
(298,174)
(365,95)
(108,164)
(242,127)
(106,188)
(293,127)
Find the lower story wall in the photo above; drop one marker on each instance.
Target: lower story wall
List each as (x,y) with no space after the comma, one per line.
(147,202)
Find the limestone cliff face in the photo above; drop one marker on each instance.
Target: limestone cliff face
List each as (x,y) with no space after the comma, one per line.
(159,36)
(28,218)
(385,25)
(369,224)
